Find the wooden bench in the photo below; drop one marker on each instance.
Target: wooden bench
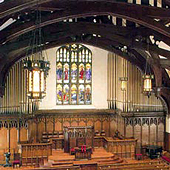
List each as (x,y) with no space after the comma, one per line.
(136,166)
(74,167)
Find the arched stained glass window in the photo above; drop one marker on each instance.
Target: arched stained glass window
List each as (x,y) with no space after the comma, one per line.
(74,75)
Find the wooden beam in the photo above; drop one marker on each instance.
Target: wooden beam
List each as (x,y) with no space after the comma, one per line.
(11,7)
(111,33)
(101,43)
(165,63)
(74,9)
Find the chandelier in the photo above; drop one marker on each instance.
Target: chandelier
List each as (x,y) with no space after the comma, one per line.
(36,63)
(147,77)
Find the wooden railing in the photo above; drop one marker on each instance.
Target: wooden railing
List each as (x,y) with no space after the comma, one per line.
(34,153)
(123,148)
(133,107)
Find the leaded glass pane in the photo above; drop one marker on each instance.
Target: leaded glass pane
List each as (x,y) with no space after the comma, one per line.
(73,94)
(66,73)
(88,94)
(68,57)
(81,94)
(73,74)
(81,73)
(90,57)
(59,94)
(75,56)
(65,55)
(66,94)
(80,57)
(88,73)
(59,73)
(61,54)
(58,56)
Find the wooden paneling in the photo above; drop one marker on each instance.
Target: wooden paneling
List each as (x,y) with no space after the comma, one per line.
(56,122)
(49,126)
(129,131)
(89,123)
(123,148)
(113,127)
(120,125)
(74,123)
(23,134)
(32,130)
(58,126)
(97,126)
(161,135)
(66,124)
(153,134)
(106,127)
(167,141)
(58,143)
(3,138)
(145,136)
(137,133)
(98,141)
(30,152)
(82,123)
(148,130)
(3,142)
(41,129)
(13,138)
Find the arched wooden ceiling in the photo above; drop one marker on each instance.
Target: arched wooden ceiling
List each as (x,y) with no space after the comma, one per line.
(127,41)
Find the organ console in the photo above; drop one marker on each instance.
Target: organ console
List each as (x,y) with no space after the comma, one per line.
(153,151)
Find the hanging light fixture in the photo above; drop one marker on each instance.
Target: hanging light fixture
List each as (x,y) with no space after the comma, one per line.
(147,82)
(147,77)
(123,83)
(36,63)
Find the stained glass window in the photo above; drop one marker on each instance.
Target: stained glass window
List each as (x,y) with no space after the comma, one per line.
(74,75)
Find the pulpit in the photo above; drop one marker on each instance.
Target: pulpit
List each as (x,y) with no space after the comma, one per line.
(78,136)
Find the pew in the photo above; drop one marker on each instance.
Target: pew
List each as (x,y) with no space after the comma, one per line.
(56,138)
(35,153)
(136,166)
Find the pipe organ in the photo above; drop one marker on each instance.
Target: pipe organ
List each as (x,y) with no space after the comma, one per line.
(132,99)
(15,100)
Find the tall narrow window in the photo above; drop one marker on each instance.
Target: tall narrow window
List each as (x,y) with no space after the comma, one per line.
(74,75)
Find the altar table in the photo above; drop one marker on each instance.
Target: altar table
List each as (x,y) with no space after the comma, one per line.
(83,154)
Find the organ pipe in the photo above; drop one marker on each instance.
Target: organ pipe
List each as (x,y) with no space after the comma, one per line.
(132,99)
(15,99)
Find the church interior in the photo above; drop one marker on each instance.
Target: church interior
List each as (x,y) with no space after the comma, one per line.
(85,84)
